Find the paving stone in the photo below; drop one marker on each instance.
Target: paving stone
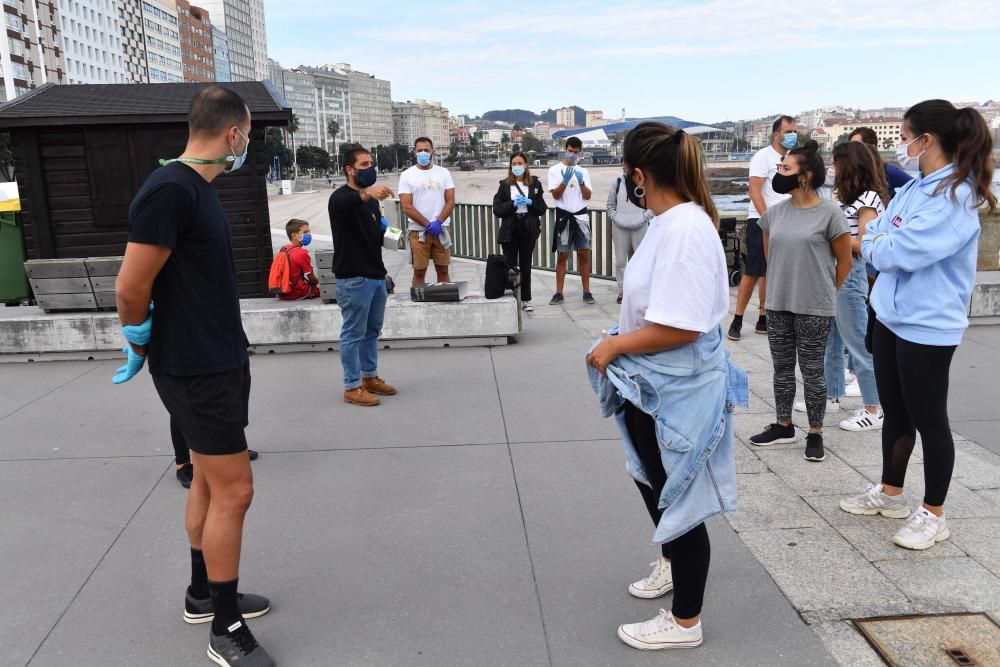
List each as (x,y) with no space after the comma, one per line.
(962,503)
(847,646)
(980,538)
(857,449)
(767,503)
(992,495)
(809,478)
(872,535)
(823,576)
(941,585)
(976,467)
(746,460)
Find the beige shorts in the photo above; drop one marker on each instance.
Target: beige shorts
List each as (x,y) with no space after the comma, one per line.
(429,251)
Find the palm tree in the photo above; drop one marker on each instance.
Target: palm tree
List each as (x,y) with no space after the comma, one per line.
(293,127)
(333,129)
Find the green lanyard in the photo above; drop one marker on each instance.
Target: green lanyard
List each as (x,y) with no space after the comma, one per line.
(197,160)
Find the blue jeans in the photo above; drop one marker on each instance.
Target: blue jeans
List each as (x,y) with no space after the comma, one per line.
(362,306)
(849,330)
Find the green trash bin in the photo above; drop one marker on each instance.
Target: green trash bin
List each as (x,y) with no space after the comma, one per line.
(13,280)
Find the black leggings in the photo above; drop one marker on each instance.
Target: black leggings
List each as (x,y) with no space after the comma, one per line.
(181,452)
(790,335)
(690,553)
(912,384)
(519,253)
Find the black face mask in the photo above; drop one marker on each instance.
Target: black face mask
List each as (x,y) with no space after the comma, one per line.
(783,183)
(630,188)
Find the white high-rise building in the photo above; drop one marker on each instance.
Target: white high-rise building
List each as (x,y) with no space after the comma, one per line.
(30,52)
(246,33)
(163,41)
(220,49)
(92,41)
(421,119)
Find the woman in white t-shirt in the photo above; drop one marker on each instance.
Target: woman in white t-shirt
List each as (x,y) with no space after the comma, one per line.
(862,189)
(675,291)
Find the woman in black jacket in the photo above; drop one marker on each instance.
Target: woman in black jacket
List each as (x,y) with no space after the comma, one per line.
(520,205)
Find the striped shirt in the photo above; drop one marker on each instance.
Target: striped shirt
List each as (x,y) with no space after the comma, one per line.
(869,199)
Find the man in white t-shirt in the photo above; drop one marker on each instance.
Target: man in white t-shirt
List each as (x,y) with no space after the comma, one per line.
(571,187)
(427,196)
(763,167)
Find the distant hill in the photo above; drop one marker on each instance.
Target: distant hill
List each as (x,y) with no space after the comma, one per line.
(521,117)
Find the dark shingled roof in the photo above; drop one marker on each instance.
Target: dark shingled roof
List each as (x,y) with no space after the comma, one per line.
(146,103)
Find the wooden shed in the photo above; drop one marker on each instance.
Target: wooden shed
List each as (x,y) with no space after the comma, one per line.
(81,153)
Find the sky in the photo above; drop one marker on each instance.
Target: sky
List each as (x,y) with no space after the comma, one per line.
(701,60)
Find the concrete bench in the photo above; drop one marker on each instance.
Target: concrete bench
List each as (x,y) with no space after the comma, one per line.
(986,295)
(28,333)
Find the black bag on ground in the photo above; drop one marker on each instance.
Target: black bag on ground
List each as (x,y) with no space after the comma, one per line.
(500,277)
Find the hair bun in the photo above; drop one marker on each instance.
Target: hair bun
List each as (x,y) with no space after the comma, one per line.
(812,146)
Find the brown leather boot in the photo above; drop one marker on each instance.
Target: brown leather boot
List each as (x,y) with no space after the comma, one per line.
(378,386)
(360,396)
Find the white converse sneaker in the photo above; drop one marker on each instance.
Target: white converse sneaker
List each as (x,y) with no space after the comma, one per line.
(853,389)
(922,531)
(862,420)
(660,632)
(527,307)
(659,582)
(873,501)
(832,405)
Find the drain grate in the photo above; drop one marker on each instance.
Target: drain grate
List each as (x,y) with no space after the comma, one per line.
(940,640)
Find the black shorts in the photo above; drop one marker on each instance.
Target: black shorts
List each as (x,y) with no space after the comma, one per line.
(756,263)
(212,411)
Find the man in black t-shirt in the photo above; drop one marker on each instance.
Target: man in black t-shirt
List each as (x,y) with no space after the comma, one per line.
(357,229)
(180,257)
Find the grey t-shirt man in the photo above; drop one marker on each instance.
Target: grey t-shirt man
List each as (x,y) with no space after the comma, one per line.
(801,266)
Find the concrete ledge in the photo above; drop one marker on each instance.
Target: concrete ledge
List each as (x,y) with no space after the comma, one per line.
(986,295)
(26,332)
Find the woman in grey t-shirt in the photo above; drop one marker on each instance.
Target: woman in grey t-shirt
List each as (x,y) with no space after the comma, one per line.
(808,246)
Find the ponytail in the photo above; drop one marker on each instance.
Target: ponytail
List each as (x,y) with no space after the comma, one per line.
(671,158)
(965,138)
(691,184)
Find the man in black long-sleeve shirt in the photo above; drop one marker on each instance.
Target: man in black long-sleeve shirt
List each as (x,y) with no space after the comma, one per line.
(356,226)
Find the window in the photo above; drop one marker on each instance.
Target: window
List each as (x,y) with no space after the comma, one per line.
(20,71)
(14,22)
(16,46)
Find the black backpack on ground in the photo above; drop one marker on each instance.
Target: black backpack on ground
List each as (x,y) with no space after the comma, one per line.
(500,277)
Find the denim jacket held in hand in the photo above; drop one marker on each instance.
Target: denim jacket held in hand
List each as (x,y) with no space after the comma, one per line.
(690,392)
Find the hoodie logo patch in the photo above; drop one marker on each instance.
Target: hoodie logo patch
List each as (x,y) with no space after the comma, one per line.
(896,221)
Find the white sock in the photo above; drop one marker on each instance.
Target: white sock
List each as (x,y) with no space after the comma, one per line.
(691,629)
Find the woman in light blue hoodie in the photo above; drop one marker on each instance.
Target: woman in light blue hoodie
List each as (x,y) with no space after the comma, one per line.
(925,247)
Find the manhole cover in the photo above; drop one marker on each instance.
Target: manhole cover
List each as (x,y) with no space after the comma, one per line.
(946,640)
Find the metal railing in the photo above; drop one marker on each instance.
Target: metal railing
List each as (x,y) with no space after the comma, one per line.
(474,231)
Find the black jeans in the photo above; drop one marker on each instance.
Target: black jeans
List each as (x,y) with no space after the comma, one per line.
(518,253)
(912,384)
(181,452)
(689,554)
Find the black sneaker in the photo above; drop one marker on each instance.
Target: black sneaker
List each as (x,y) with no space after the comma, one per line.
(814,447)
(185,474)
(200,611)
(557,298)
(761,327)
(734,329)
(775,434)
(252,454)
(237,648)
(620,297)
(588,298)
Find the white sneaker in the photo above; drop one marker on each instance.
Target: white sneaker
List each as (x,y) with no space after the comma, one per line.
(873,501)
(527,307)
(849,377)
(659,582)
(832,405)
(853,389)
(862,420)
(660,632)
(922,531)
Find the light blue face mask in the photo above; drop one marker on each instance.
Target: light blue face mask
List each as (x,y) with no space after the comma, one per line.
(790,140)
(517,170)
(423,158)
(234,161)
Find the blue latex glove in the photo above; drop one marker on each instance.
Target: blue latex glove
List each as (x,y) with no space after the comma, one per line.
(527,201)
(139,334)
(520,200)
(568,175)
(579,177)
(383,223)
(131,367)
(434,227)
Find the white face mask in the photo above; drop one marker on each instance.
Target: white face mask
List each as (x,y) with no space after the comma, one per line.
(905,160)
